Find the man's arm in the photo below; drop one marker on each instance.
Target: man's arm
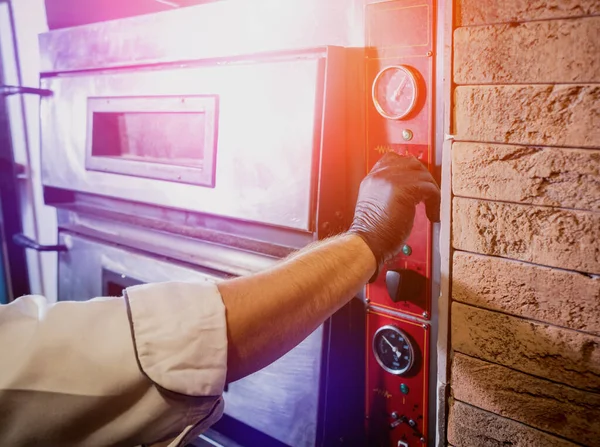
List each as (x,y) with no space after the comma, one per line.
(115,371)
(271,312)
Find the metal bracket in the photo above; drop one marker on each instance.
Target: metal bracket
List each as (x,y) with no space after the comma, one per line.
(7,90)
(23,241)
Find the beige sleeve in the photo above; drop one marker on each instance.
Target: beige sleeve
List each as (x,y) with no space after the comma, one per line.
(112,371)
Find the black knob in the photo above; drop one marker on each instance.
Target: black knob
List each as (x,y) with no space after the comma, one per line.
(405,285)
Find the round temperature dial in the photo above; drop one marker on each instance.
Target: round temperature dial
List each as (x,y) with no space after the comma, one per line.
(393,350)
(395,92)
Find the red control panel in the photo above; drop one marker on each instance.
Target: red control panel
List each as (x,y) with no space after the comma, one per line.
(397,401)
(400,118)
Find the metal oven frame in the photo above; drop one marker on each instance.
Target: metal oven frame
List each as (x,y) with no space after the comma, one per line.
(237,246)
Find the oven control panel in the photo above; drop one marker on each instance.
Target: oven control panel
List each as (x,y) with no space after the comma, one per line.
(397,368)
(400,118)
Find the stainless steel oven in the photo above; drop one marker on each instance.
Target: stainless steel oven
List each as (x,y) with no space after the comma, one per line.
(211,141)
(189,157)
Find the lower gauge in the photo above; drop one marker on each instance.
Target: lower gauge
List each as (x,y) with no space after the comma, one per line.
(393,350)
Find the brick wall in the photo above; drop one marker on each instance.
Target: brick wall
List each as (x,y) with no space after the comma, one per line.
(525,315)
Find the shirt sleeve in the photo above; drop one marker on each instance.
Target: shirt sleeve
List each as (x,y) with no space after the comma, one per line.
(111,371)
(180,336)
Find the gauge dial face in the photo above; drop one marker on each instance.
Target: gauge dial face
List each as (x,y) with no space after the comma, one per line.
(393,350)
(395,92)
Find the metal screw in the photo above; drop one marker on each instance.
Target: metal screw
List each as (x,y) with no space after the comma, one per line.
(429,53)
(406,250)
(367,300)
(412,423)
(407,134)
(425,326)
(425,314)
(422,440)
(394,415)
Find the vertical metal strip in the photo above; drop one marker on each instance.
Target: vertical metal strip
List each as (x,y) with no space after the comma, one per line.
(443,144)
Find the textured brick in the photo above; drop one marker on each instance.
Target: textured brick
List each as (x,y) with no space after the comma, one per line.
(560,297)
(552,407)
(568,178)
(549,236)
(469,426)
(471,12)
(549,115)
(551,352)
(520,54)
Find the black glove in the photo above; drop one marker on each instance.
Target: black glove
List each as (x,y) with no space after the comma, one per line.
(385,209)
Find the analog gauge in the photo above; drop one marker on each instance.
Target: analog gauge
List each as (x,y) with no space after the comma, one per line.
(393,350)
(395,92)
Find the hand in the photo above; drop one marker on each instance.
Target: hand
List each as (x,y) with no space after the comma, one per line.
(385,209)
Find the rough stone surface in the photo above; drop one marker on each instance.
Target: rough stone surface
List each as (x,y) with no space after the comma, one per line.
(552,407)
(477,12)
(470,426)
(568,178)
(558,354)
(537,52)
(549,115)
(548,236)
(554,296)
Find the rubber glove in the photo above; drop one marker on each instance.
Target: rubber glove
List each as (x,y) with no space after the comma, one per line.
(385,209)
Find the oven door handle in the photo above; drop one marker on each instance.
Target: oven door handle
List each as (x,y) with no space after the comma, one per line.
(23,241)
(7,90)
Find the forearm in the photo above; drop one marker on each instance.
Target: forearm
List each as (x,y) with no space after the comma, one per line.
(271,312)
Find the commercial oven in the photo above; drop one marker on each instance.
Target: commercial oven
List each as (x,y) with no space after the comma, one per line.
(209,142)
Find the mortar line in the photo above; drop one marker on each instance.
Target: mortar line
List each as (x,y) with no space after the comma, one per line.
(545,379)
(527,319)
(528,204)
(588,275)
(593,148)
(526,84)
(518,422)
(522,22)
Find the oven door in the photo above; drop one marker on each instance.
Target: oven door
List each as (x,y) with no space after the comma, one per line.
(238,140)
(276,406)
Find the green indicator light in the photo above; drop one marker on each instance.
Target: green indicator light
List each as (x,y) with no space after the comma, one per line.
(404,388)
(406,250)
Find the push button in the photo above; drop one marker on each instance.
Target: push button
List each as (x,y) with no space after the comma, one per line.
(405,285)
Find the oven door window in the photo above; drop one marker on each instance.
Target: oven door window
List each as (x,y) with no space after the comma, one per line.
(162,138)
(113,284)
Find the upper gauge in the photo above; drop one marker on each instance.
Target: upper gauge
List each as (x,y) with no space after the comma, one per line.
(395,92)
(393,350)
